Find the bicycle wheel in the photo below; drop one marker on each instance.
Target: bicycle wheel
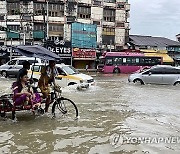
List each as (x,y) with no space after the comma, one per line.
(64,107)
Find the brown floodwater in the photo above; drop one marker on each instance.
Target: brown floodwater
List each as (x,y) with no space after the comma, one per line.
(115,117)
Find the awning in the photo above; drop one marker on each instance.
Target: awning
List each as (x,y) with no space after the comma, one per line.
(166,57)
(154,51)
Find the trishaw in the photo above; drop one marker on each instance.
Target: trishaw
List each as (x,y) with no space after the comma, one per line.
(60,106)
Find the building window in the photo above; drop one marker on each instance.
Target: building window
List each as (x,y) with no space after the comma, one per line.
(120,6)
(56,27)
(13,8)
(97,2)
(38,27)
(53,38)
(110,1)
(14,27)
(39,7)
(96,23)
(55,10)
(120,24)
(108,31)
(109,15)
(84,12)
(108,39)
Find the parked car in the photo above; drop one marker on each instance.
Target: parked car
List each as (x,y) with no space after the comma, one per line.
(12,67)
(160,74)
(68,75)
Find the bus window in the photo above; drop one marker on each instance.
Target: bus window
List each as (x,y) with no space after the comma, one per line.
(117,61)
(128,60)
(124,60)
(137,60)
(109,62)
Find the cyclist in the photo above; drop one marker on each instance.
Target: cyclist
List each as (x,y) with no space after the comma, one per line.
(48,74)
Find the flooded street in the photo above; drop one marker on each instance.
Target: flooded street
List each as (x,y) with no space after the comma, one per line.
(115,117)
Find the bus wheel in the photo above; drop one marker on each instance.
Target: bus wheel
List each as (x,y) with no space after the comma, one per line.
(116,70)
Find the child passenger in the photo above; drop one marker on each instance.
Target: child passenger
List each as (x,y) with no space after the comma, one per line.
(23,93)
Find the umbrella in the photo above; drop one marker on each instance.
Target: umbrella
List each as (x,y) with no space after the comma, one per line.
(36,51)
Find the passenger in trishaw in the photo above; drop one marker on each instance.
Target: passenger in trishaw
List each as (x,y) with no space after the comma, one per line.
(48,74)
(23,93)
(26,67)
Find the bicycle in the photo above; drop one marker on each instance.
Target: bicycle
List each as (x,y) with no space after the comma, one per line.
(60,105)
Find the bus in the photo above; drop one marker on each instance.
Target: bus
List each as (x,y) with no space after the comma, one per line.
(126,62)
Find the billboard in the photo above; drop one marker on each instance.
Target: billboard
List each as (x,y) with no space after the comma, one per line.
(60,47)
(84,35)
(84,53)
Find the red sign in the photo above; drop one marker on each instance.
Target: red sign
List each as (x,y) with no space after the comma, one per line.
(84,53)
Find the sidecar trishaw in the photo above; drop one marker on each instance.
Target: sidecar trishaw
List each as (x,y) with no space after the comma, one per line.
(60,106)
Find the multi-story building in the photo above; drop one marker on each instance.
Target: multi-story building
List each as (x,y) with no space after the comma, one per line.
(178,37)
(37,20)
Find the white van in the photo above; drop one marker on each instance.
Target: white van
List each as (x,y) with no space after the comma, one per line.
(68,75)
(12,67)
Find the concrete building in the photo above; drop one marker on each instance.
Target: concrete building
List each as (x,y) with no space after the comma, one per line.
(178,37)
(36,21)
(29,17)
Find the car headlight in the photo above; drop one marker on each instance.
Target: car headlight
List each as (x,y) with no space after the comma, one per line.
(81,81)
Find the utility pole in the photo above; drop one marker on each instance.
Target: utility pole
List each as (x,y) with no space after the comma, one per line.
(6,23)
(47,20)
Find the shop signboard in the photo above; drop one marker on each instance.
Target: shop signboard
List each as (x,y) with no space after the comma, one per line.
(60,47)
(84,53)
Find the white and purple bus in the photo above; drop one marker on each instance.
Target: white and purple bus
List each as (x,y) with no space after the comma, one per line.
(126,62)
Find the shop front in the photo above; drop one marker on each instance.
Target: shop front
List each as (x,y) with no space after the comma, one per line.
(84,58)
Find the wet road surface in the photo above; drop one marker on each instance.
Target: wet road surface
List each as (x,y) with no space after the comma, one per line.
(115,117)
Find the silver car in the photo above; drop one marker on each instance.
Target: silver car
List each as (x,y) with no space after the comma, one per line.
(12,67)
(160,74)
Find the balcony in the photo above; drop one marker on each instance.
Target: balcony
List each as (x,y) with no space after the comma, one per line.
(97,2)
(11,35)
(127,26)
(38,34)
(127,7)
(70,19)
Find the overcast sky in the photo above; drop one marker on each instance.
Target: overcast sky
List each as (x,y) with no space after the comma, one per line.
(155,17)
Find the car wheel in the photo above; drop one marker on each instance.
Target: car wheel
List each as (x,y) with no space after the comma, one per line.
(116,70)
(4,74)
(138,81)
(71,83)
(177,83)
